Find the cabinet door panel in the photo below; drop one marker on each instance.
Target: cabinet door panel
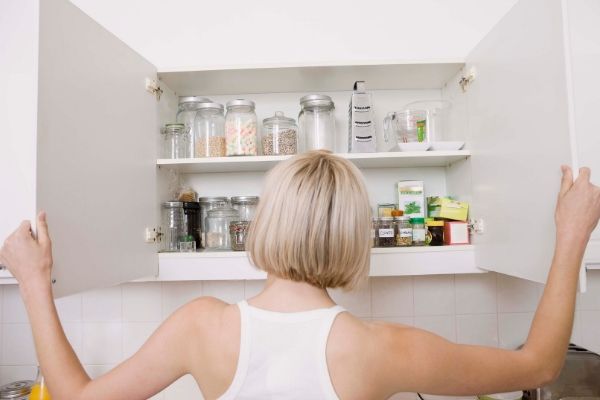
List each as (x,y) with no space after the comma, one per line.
(519,137)
(96,151)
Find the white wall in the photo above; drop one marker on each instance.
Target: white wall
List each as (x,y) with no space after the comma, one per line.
(108,325)
(236,32)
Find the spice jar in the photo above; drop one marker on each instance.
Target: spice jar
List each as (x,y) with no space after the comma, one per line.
(186,113)
(385,232)
(317,122)
(418,227)
(246,206)
(217,228)
(240,128)
(209,130)
(173,226)
(436,232)
(176,141)
(207,204)
(403,231)
(280,135)
(237,233)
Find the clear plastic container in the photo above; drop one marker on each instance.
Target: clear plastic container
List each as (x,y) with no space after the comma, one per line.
(207,204)
(176,141)
(246,206)
(217,228)
(173,225)
(279,135)
(240,128)
(186,112)
(406,126)
(210,130)
(317,122)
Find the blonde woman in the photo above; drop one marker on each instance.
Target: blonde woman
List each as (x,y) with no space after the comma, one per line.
(291,341)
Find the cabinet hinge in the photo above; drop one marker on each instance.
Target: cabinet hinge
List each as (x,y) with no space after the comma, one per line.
(467,79)
(152,235)
(153,87)
(476,226)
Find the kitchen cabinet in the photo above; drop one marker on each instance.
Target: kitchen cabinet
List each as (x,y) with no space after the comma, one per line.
(91,157)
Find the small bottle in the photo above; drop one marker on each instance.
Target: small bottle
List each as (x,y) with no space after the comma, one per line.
(418,227)
(39,390)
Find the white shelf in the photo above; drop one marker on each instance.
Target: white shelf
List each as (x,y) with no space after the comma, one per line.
(424,74)
(384,262)
(361,160)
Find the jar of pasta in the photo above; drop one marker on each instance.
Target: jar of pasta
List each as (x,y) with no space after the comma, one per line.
(240,128)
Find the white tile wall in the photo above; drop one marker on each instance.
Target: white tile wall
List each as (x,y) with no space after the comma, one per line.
(108,325)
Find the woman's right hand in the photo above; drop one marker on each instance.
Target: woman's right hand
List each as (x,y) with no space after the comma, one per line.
(578,207)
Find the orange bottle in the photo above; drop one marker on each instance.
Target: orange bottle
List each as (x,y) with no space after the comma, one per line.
(39,390)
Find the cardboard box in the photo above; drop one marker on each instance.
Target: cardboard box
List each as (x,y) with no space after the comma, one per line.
(411,198)
(444,207)
(456,233)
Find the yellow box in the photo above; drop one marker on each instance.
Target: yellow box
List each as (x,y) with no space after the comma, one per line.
(444,207)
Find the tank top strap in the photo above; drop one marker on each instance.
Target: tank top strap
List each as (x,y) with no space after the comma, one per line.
(324,376)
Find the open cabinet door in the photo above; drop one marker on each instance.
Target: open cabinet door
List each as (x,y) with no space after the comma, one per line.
(96,151)
(519,136)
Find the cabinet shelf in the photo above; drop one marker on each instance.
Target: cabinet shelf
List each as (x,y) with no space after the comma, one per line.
(361,160)
(231,265)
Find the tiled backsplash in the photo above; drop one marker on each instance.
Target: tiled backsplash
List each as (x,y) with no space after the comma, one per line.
(108,325)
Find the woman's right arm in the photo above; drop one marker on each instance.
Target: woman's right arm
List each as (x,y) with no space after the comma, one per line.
(423,362)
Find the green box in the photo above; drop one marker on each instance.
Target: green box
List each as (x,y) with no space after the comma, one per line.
(444,207)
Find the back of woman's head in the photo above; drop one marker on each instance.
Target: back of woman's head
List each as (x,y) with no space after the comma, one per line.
(313,222)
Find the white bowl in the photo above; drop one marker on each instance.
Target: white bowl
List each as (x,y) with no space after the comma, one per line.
(447,146)
(414,146)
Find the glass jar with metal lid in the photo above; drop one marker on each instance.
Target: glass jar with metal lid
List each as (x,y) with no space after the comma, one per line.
(246,206)
(18,390)
(176,141)
(210,130)
(173,225)
(217,228)
(279,135)
(385,232)
(240,128)
(317,122)
(237,233)
(403,231)
(186,112)
(207,204)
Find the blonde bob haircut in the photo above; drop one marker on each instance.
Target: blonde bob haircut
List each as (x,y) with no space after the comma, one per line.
(313,222)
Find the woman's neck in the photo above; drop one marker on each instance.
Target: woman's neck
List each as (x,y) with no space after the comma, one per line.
(284,295)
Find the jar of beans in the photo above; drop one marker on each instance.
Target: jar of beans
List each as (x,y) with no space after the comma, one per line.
(240,128)
(210,130)
(385,232)
(279,135)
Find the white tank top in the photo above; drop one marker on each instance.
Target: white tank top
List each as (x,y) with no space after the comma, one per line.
(282,355)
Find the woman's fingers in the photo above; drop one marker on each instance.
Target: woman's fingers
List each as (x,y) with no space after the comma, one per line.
(42,230)
(567,180)
(584,175)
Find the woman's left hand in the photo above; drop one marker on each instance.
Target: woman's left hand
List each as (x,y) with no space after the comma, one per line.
(27,258)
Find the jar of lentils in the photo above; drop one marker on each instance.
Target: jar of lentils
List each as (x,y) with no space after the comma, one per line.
(210,130)
(279,135)
(240,128)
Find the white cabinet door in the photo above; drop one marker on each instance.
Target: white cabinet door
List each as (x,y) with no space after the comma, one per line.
(97,129)
(519,136)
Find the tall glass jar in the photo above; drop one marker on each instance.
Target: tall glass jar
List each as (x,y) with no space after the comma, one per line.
(207,204)
(279,135)
(210,130)
(186,112)
(217,228)
(246,206)
(173,225)
(240,128)
(317,122)
(176,141)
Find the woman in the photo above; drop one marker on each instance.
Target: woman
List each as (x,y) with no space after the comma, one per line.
(291,341)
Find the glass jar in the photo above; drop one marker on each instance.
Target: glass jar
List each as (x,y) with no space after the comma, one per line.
(176,141)
(246,206)
(173,225)
(317,122)
(186,112)
(279,135)
(385,232)
(403,231)
(418,227)
(210,130)
(237,233)
(435,230)
(39,390)
(217,228)
(18,390)
(374,222)
(207,204)
(240,128)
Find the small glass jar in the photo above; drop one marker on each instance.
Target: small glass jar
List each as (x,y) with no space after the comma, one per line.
(419,231)
(18,390)
(217,228)
(279,135)
(237,233)
(246,206)
(403,231)
(173,225)
(210,130)
(186,113)
(176,141)
(435,230)
(374,222)
(385,232)
(207,204)
(39,390)
(240,128)
(317,122)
